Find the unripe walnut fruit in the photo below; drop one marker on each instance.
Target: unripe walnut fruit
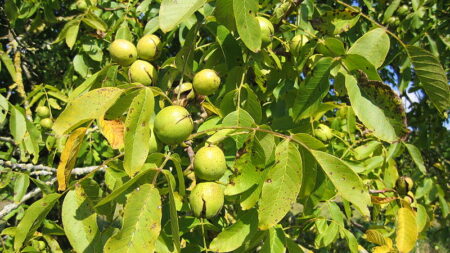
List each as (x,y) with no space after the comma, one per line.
(206,199)
(143,72)
(43,111)
(123,52)
(149,47)
(206,82)
(173,124)
(323,132)
(267,30)
(403,185)
(46,123)
(209,163)
(297,43)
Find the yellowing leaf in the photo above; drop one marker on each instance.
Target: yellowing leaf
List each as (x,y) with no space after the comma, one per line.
(382,249)
(69,157)
(113,132)
(91,105)
(406,230)
(374,236)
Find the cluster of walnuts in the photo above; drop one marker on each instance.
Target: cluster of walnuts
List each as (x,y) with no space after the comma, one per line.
(173,124)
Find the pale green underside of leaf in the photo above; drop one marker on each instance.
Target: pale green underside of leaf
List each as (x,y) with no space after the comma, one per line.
(173,12)
(372,116)
(346,181)
(281,186)
(373,46)
(432,77)
(91,105)
(141,223)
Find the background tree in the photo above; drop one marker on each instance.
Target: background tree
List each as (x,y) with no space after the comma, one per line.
(326,121)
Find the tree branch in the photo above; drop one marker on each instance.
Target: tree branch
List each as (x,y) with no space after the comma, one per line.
(46,170)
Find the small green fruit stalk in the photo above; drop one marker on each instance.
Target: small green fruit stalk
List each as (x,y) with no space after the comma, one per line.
(297,43)
(123,52)
(43,111)
(206,82)
(323,132)
(206,199)
(46,123)
(142,72)
(403,185)
(149,47)
(209,163)
(173,124)
(267,30)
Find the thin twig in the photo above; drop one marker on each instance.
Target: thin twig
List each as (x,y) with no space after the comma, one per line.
(40,169)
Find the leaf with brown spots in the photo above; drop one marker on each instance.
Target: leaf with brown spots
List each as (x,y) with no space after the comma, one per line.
(141,223)
(282,185)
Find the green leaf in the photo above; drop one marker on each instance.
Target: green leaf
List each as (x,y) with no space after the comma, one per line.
(337,21)
(95,22)
(124,32)
(274,241)
(137,131)
(33,218)
(4,107)
(17,124)
(263,148)
(72,33)
(141,222)
(235,235)
(224,14)
(89,106)
(173,214)
(130,184)
(173,12)
(373,46)
(308,140)
(80,221)
(432,77)
(281,185)
(415,154)
(246,23)
(315,88)
(245,175)
(369,113)
(406,234)
(346,181)
(357,62)
(21,183)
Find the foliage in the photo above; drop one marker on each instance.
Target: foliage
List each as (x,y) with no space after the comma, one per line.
(316,133)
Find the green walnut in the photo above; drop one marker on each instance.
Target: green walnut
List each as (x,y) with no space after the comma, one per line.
(403,10)
(323,132)
(206,82)
(46,123)
(403,185)
(123,52)
(393,21)
(149,47)
(143,72)
(206,199)
(173,124)
(297,43)
(43,111)
(267,30)
(209,163)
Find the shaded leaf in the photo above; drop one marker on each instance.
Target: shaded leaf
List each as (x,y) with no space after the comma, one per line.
(415,154)
(246,23)
(33,218)
(95,22)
